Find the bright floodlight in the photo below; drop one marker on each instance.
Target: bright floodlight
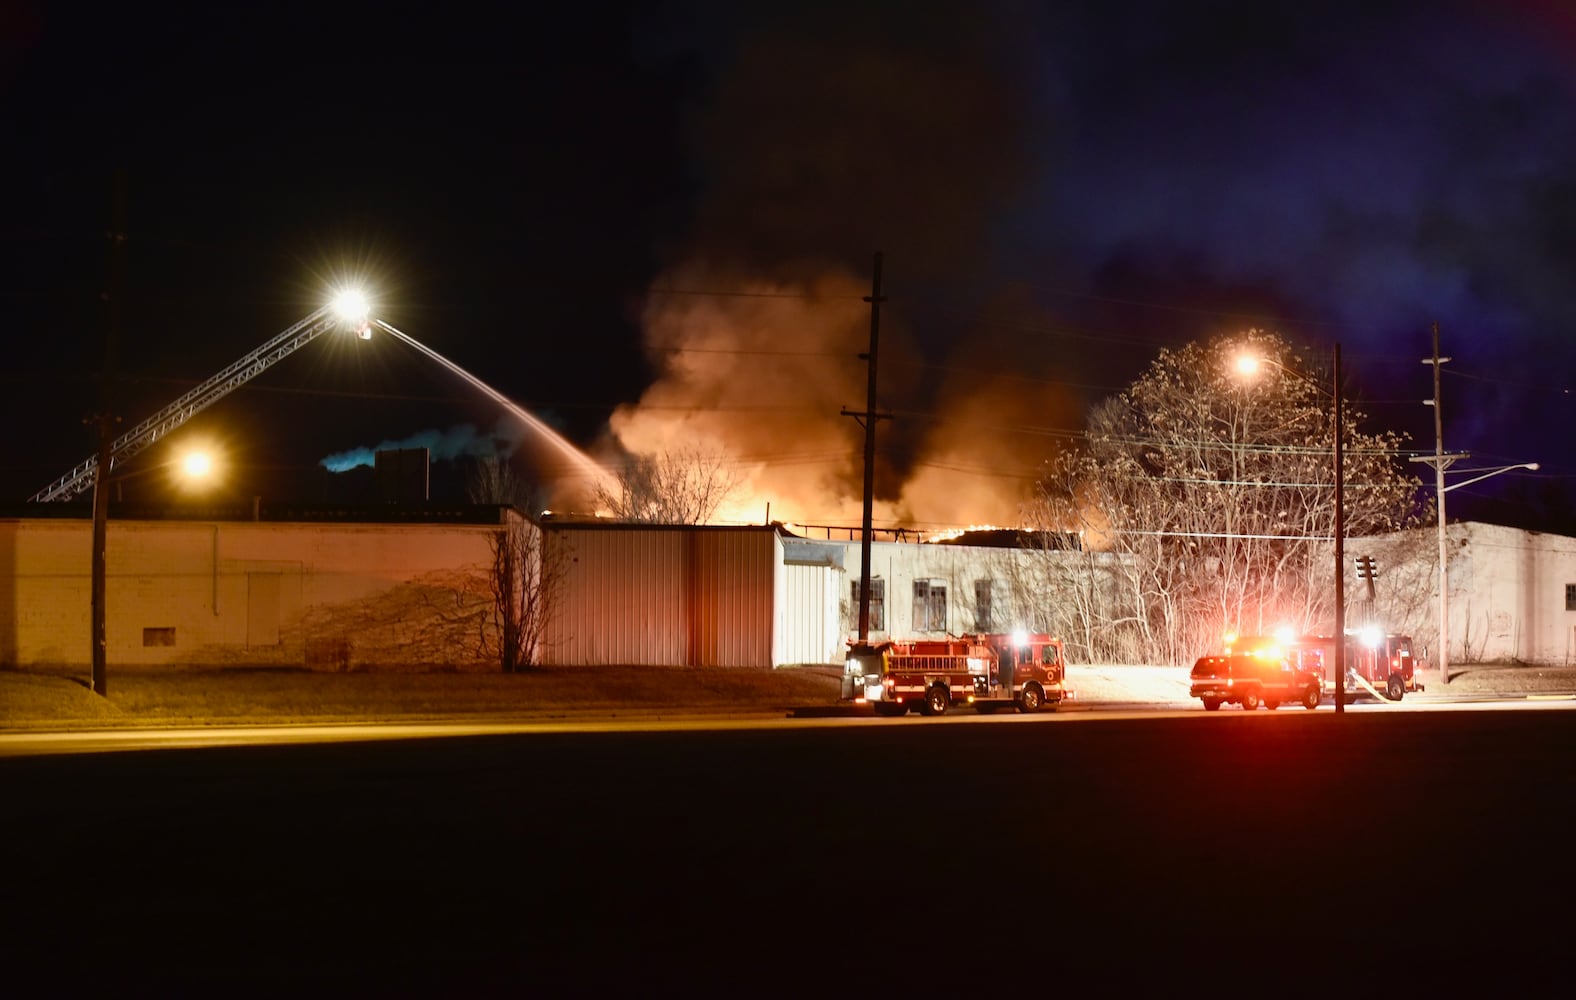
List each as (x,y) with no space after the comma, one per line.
(197,464)
(1020,637)
(1247,365)
(351,305)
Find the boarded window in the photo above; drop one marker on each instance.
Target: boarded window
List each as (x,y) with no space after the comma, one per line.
(930,606)
(984,616)
(877,603)
(1570,597)
(164,636)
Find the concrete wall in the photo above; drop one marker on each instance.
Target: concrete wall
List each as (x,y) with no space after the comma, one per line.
(957,568)
(334,596)
(1507,595)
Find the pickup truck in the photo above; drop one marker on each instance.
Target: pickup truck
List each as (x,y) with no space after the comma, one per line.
(1251,681)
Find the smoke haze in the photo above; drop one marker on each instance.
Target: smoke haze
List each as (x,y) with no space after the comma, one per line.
(832,134)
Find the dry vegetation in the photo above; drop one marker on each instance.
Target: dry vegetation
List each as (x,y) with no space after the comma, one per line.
(237,695)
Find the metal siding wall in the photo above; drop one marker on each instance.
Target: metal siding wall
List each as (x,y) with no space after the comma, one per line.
(731,598)
(810,627)
(623,599)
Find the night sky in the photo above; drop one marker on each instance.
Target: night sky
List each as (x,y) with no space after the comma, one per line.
(652,224)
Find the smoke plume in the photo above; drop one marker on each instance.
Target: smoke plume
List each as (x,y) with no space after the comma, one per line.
(462,440)
(832,135)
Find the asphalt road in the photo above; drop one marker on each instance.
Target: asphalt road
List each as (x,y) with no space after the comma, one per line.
(1298,853)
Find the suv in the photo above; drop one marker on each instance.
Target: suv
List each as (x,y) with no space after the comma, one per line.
(1252,680)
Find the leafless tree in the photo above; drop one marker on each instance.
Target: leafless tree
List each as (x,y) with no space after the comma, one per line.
(493,479)
(526,581)
(687,485)
(1215,495)
(526,576)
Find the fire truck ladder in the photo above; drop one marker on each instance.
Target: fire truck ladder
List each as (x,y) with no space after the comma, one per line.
(156,427)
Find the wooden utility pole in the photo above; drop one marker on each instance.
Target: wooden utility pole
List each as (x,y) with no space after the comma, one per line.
(1340,547)
(1440,461)
(867,419)
(105,420)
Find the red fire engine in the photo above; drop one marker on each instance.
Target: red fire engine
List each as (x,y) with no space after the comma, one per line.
(1023,670)
(1381,663)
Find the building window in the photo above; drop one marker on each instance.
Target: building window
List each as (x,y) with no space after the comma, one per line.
(158,636)
(1570,597)
(984,620)
(930,606)
(877,603)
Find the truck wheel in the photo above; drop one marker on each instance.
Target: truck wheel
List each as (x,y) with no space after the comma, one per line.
(1396,688)
(1310,697)
(1031,699)
(936,701)
(890,710)
(1211,704)
(1250,700)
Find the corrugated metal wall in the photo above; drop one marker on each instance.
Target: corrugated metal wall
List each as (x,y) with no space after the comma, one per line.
(661,595)
(810,631)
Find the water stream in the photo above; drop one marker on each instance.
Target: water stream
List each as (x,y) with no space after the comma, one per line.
(583,463)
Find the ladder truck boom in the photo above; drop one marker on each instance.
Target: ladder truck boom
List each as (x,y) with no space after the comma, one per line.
(162,423)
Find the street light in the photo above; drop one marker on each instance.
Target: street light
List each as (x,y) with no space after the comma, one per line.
(1248,366)
(1441,461)
(353,311)
(196,465)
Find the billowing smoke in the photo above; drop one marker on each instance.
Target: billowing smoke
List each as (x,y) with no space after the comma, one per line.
(764,377)
(462,440)
(760,377)
(832,136)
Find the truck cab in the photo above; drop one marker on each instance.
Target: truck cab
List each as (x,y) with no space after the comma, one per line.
(1251,681)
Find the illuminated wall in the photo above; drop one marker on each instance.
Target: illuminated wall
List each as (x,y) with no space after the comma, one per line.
(332,596)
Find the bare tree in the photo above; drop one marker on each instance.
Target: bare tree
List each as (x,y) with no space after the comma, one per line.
(526,576)
(1216,495)
(526,581)
(493,479)
(683,486)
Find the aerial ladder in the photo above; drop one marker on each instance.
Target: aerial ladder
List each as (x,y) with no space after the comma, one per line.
(346,311)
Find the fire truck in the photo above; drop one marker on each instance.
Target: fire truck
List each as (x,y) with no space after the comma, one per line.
(1022,670)
(1380,663)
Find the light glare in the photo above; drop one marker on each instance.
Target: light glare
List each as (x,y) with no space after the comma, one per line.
(351,304)
(197,465)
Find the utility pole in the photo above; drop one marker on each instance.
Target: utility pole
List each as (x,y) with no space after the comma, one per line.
(1340,547)
(867,419)
(105,420)
(1440,461)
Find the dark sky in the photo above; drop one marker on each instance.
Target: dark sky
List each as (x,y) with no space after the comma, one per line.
(561,200)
